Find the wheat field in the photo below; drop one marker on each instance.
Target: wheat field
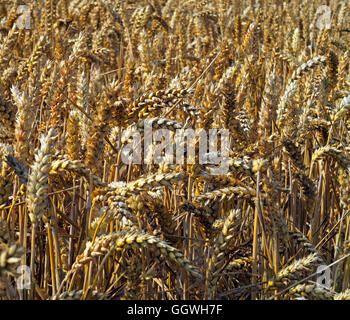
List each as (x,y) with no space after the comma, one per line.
(77,223)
